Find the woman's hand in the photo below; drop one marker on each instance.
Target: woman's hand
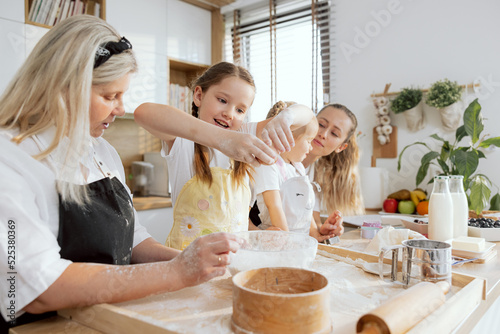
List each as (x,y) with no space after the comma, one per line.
(246,148)
(333,225)
(206,257)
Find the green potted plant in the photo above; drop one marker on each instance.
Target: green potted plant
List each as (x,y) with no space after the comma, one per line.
(453,159)
(409,101)
(445,96)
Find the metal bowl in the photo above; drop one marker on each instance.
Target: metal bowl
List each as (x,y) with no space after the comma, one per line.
(265,249)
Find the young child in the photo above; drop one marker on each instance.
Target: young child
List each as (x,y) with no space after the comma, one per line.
(285,197)
(210,192)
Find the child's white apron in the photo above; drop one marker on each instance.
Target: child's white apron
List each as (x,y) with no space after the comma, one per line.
(297,198)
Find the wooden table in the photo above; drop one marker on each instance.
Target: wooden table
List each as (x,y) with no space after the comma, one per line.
(119,318)
(489,271)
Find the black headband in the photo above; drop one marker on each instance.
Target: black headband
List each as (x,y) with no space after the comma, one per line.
(105,52)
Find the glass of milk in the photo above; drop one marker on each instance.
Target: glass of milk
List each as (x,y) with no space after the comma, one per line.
(440,210)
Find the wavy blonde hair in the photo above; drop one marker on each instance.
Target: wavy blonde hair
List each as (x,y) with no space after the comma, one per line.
(53,88)
(213,76)
(338,174)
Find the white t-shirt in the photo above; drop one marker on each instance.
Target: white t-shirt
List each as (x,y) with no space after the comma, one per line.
(273,177)
(29,214)
(180,160)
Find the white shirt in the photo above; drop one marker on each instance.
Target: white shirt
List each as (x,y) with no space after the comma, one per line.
(180,160)
(29,200)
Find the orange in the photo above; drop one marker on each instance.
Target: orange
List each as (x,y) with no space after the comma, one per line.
(423,208)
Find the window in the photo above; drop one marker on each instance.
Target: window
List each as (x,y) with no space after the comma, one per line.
(285,45)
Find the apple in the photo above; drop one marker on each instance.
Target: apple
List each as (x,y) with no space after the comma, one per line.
(390,205)
(406,207)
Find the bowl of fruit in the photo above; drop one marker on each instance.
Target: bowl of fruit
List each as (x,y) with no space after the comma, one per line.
(487,227)
(406,202)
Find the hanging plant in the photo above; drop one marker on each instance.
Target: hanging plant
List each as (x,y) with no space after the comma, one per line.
(409,103)
(445,96)
(407,99)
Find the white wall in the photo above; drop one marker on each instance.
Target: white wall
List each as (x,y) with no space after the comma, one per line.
(157,29)
(419,43)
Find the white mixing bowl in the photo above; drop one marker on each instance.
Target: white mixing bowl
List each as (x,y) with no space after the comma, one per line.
(265,249)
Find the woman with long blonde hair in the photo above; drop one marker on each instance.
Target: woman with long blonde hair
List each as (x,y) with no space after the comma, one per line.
(333,163)
(63,198)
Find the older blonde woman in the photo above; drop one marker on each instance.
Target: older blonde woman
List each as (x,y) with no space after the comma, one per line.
(67,219)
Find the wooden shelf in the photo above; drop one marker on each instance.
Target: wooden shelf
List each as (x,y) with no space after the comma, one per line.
(180,76)
(182,72)
(89,10)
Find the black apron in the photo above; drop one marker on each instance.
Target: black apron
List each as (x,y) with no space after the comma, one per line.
(101,231)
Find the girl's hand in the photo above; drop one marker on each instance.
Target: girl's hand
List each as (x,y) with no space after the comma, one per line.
(333,225)
(276,133)
(246,148)
(206,257)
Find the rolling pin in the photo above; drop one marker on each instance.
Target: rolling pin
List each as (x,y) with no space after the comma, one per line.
(405,310)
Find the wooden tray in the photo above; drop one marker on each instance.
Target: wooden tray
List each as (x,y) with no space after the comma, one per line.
(207,308)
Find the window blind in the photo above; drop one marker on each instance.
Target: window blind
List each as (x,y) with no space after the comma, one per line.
(285,44)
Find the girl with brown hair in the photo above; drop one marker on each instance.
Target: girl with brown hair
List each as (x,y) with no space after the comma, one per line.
(210,192)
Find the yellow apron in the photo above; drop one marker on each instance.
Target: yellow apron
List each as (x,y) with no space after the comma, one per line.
(201,209)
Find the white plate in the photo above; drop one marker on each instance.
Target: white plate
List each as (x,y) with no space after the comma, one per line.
(359,220)
(489,234)
(470,254)
(397,219)
(400,214)
(409,223)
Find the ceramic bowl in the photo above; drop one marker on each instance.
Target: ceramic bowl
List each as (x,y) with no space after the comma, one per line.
(265,249)
(409,223)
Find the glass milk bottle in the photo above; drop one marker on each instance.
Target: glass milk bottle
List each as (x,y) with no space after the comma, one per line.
(440,211)
(460,206)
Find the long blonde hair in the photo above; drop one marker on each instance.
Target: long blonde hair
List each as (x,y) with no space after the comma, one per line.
(213,76)
(338,174)
(53,88)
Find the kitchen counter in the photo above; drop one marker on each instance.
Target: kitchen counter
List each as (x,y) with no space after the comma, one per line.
(151,202)
(184,302)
